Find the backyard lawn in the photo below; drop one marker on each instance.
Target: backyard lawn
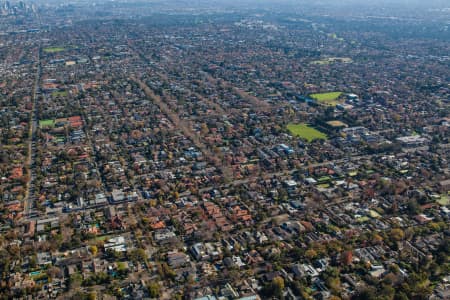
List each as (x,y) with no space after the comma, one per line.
(46,123)
(59,94)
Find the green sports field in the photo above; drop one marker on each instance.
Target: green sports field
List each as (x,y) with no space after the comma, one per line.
(330,98)
(53,49)
(306,132)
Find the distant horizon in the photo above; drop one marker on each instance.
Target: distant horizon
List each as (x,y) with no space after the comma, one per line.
(292,2)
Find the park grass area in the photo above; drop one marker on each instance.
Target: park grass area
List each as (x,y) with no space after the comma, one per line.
(59,94)
(306,132)
(46,123)
(54,49)
(330,98)
(444,200)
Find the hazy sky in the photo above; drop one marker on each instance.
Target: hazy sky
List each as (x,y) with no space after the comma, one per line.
(323,4)
(360,3)
(406,4)
(336,2)
(256,3)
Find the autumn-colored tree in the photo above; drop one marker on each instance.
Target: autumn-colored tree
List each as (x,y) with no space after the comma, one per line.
(397,234)
(94,250)
(204,130)
(278,286)
(310,254)
(92,296)
(346,258)
(377,239)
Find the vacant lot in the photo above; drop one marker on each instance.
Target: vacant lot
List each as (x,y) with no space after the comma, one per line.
(306,132)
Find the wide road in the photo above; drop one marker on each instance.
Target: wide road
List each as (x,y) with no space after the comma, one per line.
(289,172)
(30,195)
(184,126)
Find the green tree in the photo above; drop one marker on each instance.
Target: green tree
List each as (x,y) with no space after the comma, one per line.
(75,280)
(154,289)
(137,255)
(366,294)
(414,207)
(387,291)
(400,296)
(334,284)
